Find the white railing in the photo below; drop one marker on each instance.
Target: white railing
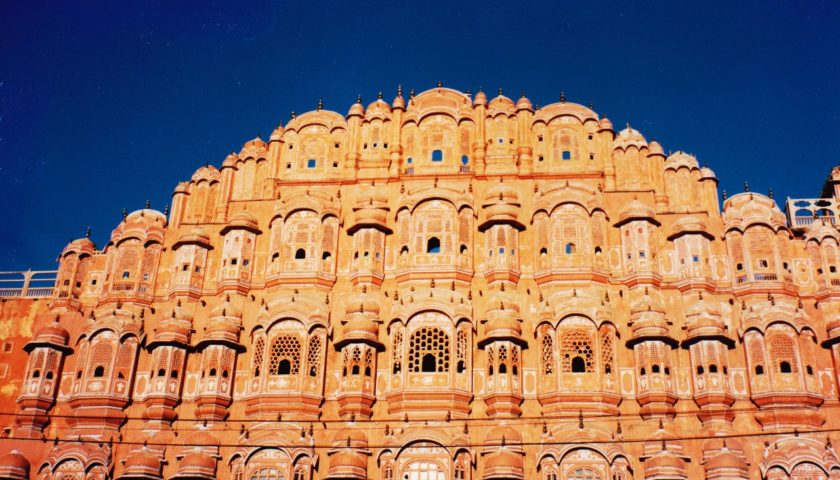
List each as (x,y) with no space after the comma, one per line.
(28,284)
(802,212)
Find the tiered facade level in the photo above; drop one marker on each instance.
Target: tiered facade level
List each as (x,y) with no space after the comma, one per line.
(443,287)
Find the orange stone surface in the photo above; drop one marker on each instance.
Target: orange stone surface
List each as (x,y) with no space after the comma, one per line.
(440,287)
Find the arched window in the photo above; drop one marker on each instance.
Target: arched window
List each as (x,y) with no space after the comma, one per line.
(759,370)
(285,355)
(267,474)
(429,363)
(300,254)
(570,248)
(578,365)
(429,350)
(784,367)
(433,245)
(99,372)
(465,160)
(437,155)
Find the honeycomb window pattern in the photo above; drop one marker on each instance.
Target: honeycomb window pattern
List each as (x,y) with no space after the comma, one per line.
(577,344)
(429,341)
(284,347)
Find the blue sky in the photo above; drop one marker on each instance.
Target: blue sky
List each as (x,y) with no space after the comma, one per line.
(104,105)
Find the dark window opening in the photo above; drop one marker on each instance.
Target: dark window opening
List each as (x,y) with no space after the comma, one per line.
(463,249)
(607,369)
(461,366)
(313,372)
(713,368)
(212,372)
(543,251)
(784,367)
(161,372)
(654,369)
(224,373)
(515,370)
(367,371)
(759,370)
(300,254)
(642,371)
(326,256)
(354,370)
(433,245)
(502,368)
(49,375)
(99,372)
(437,155)
(284,368)
(700,370)
(174,374)
(490,370)
(36,374)
(429,363)
(567,155)
(578,365)
(809,370)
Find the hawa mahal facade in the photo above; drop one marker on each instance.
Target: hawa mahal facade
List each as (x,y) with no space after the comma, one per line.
(444,287)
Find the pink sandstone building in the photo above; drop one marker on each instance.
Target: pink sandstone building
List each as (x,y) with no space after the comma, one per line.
(444,287)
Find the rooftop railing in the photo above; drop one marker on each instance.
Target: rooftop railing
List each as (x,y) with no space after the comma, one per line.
(802,212)
(28,284)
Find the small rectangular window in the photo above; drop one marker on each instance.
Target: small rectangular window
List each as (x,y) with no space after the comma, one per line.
(311,163)
(197,269)
(126,274)
(245,262)
(695,258)
(642,254)
(437,155)
(93,282)
(502,251)
(567,155)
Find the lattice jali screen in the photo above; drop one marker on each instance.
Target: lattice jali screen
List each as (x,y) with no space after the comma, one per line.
(781,349)
(576,343)
(429,340)
(547,354)
(284,347)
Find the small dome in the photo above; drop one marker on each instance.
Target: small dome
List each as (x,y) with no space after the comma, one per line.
(79,246)
(205,173)
(605,124)
(501,102)
(524,104)
(142,464)
(378,108)
(503,435)
(749,208)
(255,149)
(349,437)
(277,134)
(357,109)
(501,206)
(680,159)
(182,187)
(14,466)
(176,328)
(480,99)
(655,148)
(707,173)
(196,461)
(195,236)
(230,161)
(726,460)
(630,138)
(362,303)
(347,464)
(665,465)
(503,459)
(242,220)
(53,335)
(636,210)
(689,224)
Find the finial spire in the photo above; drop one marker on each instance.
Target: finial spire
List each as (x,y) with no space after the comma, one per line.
(379,95)
(440,83)
(87,233)
(591,106)
(320,104)
(724,195)
(124,213)
(148,204)
(411,93)
(166,210)
(358,99)
(399,90)
(770,194)
(293,115)
(746,186)
(563,97)
(500,91)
